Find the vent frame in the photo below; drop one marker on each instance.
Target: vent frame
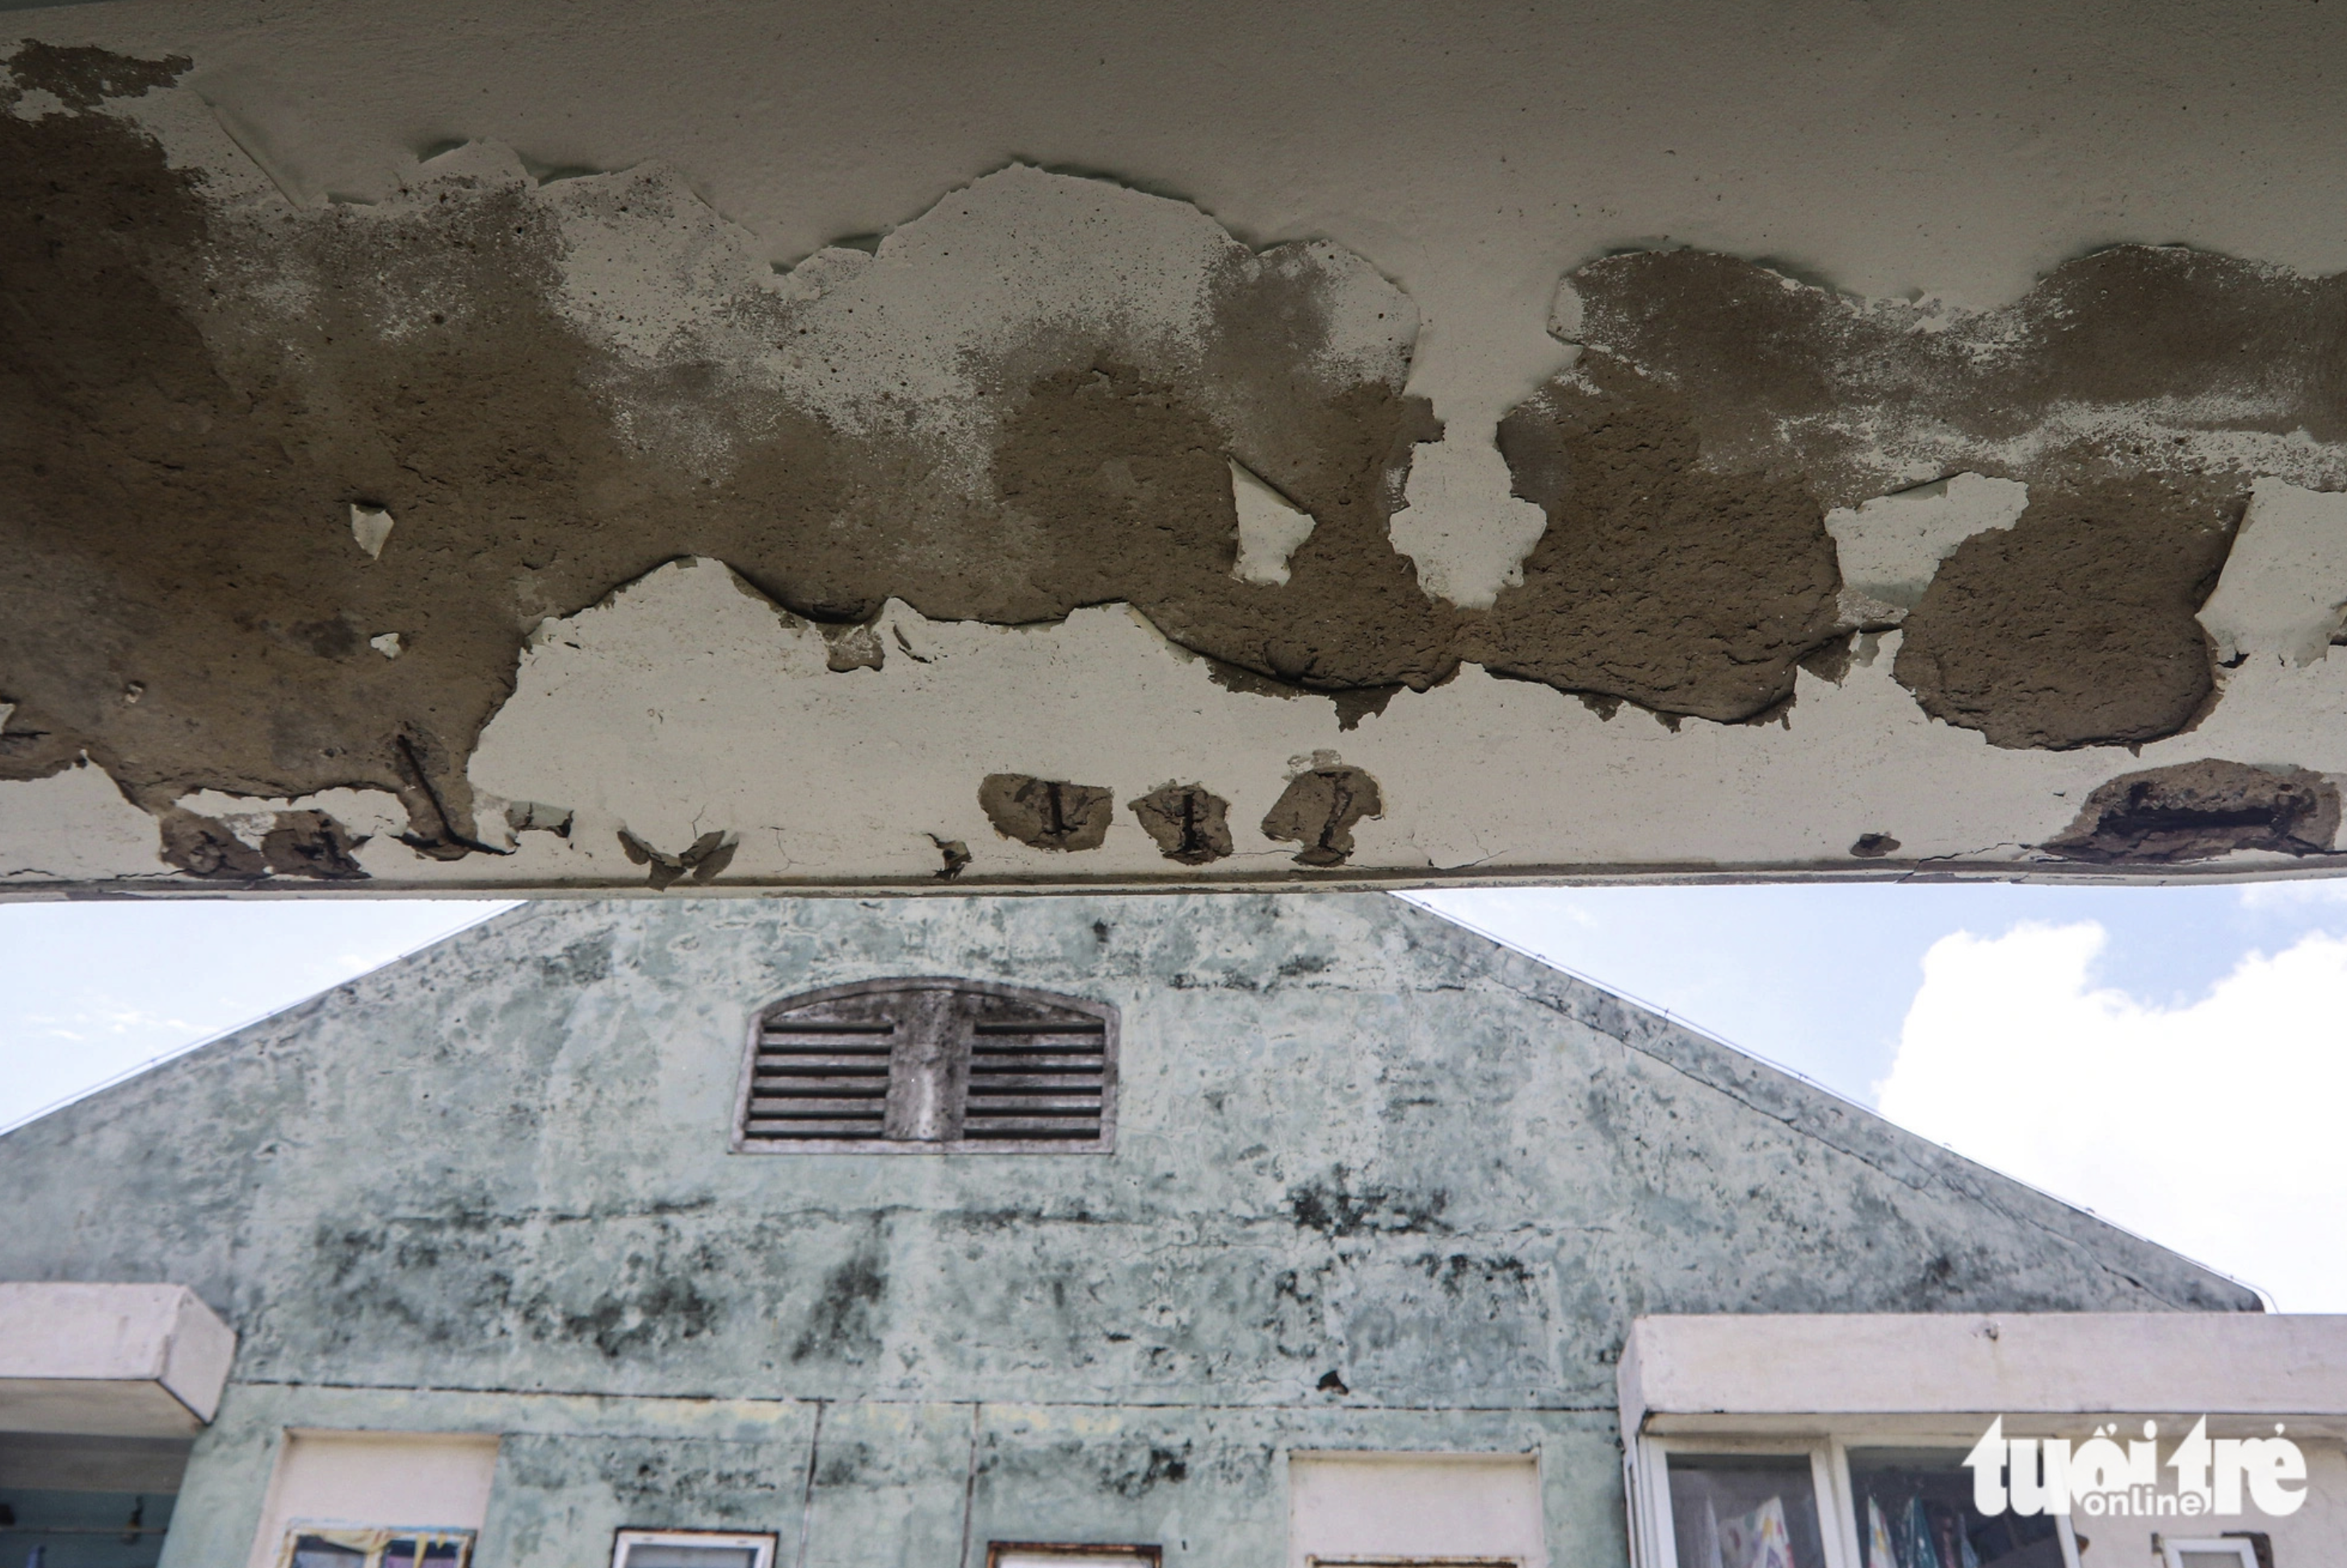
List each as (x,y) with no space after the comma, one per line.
(948,1061)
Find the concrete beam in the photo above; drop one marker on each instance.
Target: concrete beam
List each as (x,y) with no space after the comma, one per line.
(110,1361)
(572,449)
(1784,1372)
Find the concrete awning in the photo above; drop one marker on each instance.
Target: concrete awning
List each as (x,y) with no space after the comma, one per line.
(1800,1372)
(110,1361)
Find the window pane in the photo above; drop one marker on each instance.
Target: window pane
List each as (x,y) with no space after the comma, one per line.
(692,1556)
(1915,1510)
(1745,1511)
(317,1551)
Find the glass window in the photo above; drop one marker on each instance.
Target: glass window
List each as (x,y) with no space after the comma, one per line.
(330,1546)
(1915,1510)
(1745,1511)
(691,1549)
(691,1557)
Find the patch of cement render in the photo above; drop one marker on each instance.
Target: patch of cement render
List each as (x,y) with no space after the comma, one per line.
(2202,810)
(1660,580)
(2076,627)
(323,836)
(1189,823)
(1319,809)
(2131,361)
(1047,814)
(2284,592)
(2137,392)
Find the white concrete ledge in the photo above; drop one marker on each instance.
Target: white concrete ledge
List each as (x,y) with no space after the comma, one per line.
(1760,1371)
(110,1361)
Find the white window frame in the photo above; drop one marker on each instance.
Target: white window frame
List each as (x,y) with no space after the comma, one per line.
(1655,1545)
(2171,1552)
(762,1545)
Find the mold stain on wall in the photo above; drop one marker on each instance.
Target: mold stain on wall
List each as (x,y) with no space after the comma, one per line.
(352,458)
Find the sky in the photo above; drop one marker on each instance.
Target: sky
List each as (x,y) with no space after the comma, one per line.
(2172,1058)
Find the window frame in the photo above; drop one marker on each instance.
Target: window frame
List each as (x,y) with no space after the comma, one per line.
(2171,1552)
(1106,1013)
(763,1544)
(1655,1545)
(1140,1553)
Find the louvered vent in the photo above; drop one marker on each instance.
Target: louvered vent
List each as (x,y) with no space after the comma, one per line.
(936,1066)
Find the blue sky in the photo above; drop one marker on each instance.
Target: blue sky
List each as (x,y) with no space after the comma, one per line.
(2169,1057)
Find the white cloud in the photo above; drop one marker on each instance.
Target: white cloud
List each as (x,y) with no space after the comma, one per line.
(2214,1127)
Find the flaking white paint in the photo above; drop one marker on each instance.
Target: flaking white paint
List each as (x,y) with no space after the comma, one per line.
(1271,528)
(74,826)
(1890,547)
(371,527)
(1462,529)
(2283,594)
(689,703)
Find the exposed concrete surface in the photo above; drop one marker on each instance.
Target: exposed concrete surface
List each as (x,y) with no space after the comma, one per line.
(1378,1183)
(320,420)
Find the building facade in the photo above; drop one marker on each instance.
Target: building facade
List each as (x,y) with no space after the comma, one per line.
(1319,1239)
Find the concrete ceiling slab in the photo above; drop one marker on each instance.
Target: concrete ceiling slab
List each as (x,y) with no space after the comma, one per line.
(593,446)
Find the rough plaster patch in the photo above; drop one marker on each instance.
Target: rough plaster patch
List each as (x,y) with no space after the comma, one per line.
(333,835)
(2075,627)
(2199,810)
(2127,361)
(1462,529)
(1659,580)
(1047,814)
(2284,592)
(1271,529)
(1189,823)
(1889,546)
(1319,809)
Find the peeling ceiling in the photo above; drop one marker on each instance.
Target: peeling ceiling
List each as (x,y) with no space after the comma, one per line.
(422,494)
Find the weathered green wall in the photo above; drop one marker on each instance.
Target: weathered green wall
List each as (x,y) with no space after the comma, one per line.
(1355,1141)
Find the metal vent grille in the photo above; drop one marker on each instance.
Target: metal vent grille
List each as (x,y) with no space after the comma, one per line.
(936,1066)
